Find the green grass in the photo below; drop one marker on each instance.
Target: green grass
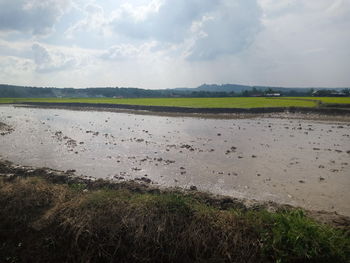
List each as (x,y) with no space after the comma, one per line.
(180,102)
(290,236)
(197,102)
(340,100)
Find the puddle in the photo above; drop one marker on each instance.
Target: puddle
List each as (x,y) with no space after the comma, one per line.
(299,162)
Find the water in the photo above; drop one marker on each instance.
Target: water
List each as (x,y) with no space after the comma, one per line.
(299,162)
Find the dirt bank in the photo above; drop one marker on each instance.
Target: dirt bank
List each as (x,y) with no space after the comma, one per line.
(168,109)
(283,114)
(51,216)
(12,171)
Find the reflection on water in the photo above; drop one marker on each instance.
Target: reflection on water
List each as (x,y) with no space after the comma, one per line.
(290,161)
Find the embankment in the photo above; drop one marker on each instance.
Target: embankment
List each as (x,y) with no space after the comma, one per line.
(316,110)
(52,216)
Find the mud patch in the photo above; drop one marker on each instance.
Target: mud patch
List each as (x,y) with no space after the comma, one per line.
(328,111)
(5,129)
(286,113)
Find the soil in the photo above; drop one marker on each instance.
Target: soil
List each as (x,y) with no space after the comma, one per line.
(169,109)
(5,129)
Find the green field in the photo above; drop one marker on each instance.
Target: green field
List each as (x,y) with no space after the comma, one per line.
(198,102)
(340,100)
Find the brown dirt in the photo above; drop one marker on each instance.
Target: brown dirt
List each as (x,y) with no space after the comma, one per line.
(337,114)
(5,129)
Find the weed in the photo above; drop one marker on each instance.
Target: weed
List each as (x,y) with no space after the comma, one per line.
(290,236)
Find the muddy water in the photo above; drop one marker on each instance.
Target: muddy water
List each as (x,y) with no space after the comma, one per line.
(299,162)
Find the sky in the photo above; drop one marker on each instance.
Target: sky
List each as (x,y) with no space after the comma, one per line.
(158,44)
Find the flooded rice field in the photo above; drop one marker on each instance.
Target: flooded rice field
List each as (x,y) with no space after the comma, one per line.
(300,162)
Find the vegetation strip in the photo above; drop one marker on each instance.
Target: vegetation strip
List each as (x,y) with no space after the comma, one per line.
(168,109)
(230,102)
(321,105)
(50,216)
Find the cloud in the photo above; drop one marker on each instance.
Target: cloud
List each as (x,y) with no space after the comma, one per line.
(211,27)
(227,31)
(131,52)
(46,61)
(94,20)
(121,52)
(11,65)
(34,16)
(170,43)
(166,20)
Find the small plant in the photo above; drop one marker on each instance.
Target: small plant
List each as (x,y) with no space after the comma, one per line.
(174,203)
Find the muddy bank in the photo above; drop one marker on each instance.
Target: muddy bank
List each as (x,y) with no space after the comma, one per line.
(11,172)
(223,116)
(306,110)
(51,216)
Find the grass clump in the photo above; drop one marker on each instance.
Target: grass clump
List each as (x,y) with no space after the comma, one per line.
(48,222)
(290,236)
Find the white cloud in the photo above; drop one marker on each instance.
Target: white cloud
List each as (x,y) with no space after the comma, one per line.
(54,61)
(50,59)
(129,52)
(169,43)
(212,27)
(34,16)
(94,20)
(230,29)
(165,21)
(15,70)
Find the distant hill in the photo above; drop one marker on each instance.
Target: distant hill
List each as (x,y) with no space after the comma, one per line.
(205,90)
(217,88)
(223,88)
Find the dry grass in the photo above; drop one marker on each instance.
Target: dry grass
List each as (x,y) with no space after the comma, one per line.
(43,221)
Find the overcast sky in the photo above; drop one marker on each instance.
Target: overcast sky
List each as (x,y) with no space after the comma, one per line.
(175,43)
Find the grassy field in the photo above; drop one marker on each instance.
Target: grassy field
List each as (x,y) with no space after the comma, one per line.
(43,219)
(340,100)
(198,102)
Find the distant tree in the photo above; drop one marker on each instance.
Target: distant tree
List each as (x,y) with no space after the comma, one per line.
(269,91)
(245,93)
(346,91)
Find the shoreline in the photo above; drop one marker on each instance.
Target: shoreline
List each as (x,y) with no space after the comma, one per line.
(174,109)
(10,172)
(51,216)
(322,114)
